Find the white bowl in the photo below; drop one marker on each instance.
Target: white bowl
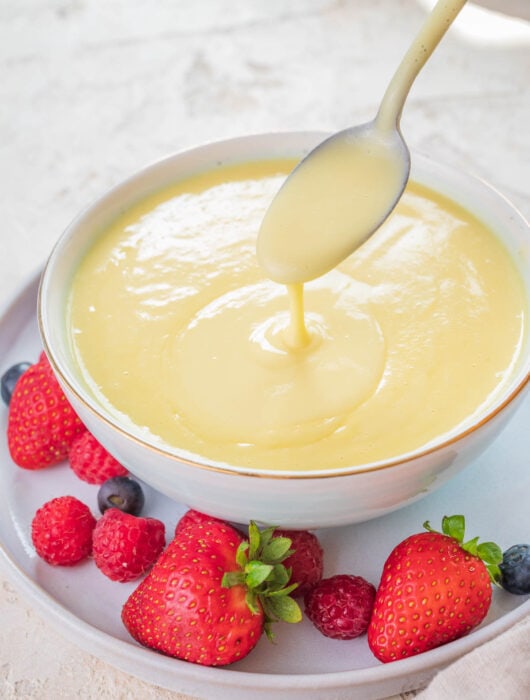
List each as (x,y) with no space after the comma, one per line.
(291,499)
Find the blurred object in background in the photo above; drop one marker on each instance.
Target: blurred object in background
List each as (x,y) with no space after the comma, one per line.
(516,8)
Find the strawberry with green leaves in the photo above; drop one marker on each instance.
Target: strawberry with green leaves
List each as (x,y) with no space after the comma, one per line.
(212,592)
(434,589)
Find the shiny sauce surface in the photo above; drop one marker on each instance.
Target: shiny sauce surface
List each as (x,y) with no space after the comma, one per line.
(177,331)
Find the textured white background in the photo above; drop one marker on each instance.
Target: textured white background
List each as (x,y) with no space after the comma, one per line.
(91,90)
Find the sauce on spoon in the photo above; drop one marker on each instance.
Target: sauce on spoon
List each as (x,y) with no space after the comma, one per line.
(348,185)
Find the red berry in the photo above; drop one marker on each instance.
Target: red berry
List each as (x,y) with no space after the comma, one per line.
(204,600)
(41,423)
(307,561)
(125,546)
(181,608)
(433,590)
(91,462)
(192,518)
(190,525)
(61,531)
(340,607)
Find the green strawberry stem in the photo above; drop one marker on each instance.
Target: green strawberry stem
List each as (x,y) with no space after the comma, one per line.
(490,553)
(264,576)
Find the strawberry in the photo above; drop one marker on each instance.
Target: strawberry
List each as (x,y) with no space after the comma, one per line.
(125,547)
(434,589)
(91,462)
(61,531)
(41,423)
(186,526)
(212,593)
(306,561)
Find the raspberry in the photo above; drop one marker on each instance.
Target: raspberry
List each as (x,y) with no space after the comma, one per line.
(307,561)
(61,531)
(340,607)
(91,462)
(124,546)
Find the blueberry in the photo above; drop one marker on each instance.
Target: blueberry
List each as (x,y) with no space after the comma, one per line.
(10,378)
(123,493)
(515,569)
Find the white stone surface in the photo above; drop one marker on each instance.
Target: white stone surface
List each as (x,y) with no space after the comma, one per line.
(92,90)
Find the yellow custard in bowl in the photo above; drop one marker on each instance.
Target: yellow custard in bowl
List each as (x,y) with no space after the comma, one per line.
(178,334)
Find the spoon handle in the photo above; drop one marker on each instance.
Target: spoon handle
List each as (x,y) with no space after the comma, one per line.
(428,38)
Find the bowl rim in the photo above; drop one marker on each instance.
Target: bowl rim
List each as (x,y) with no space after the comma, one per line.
(187,459)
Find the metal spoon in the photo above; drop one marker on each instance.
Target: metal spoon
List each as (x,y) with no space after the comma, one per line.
(344,189)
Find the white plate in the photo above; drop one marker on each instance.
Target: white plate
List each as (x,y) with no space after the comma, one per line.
(492,493)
